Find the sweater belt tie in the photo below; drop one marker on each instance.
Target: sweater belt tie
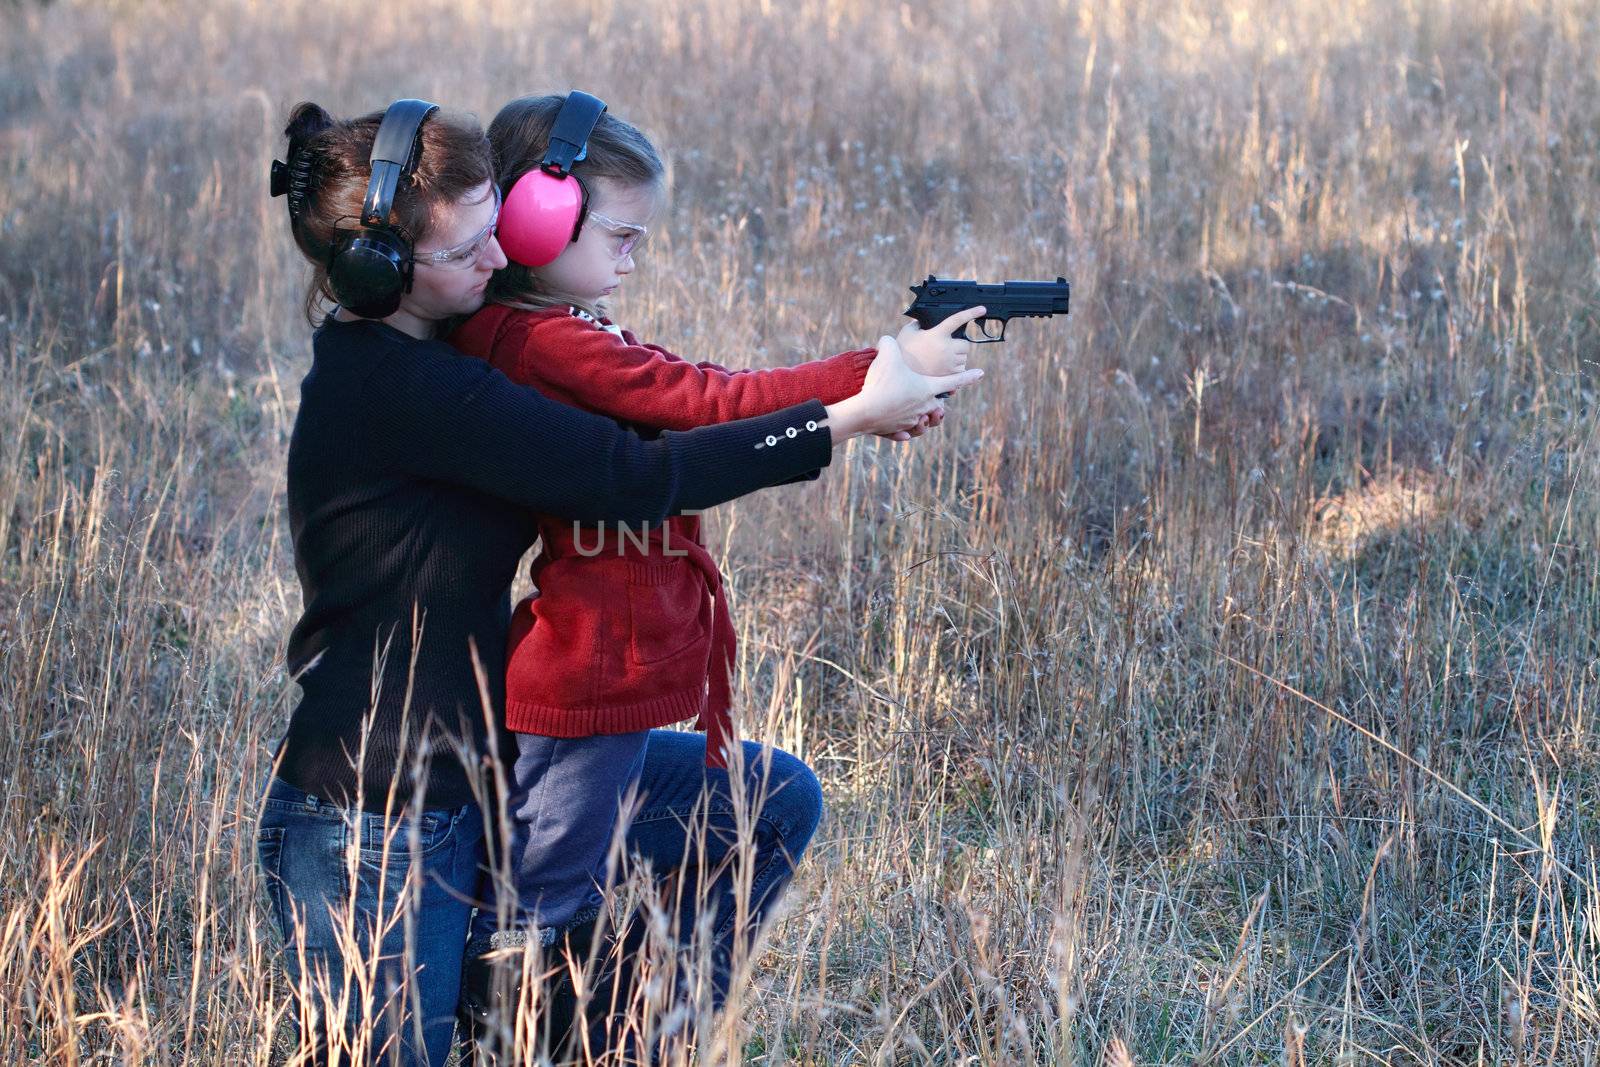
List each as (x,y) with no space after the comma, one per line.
(717,718)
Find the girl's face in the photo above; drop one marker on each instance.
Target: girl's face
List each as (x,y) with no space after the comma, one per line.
(592,267)
(453,262)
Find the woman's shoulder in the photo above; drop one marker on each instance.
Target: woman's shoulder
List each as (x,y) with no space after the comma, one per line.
(339,337)
(358,353)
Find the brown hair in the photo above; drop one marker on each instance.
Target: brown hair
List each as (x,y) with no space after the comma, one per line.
(455,159)
(519,136)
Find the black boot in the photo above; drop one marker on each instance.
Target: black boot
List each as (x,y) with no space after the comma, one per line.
(491,988)
(616,969)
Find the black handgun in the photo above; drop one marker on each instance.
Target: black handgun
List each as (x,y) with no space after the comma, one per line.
(939,298)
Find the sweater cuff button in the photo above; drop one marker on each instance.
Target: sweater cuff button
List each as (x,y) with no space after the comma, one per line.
(791,432)
(811,425)
(771,440)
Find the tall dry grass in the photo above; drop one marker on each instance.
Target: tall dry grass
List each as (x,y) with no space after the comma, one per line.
(1217,686)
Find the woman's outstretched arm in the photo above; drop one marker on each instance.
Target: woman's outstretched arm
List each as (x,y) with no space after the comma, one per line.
(459,420)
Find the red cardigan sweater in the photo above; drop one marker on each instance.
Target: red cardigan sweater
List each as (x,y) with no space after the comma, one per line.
(629,625)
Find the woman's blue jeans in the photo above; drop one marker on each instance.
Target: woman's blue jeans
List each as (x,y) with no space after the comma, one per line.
(305,843)
(340,879)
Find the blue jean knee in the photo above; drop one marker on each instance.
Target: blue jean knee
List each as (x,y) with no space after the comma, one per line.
(788,810)
(784,800)
(793,797)
(414,877)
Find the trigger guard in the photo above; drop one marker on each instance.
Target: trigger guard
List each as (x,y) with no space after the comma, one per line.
(984,336)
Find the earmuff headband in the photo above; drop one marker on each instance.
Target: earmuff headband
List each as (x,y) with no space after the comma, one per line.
(369,269)
(569,138)
(394,156)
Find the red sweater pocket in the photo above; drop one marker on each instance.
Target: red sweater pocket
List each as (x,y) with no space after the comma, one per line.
(670,621)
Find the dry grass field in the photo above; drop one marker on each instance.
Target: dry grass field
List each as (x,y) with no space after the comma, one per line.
(1218,685)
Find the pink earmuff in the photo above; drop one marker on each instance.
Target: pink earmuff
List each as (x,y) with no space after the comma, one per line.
(539,217)
(545,208)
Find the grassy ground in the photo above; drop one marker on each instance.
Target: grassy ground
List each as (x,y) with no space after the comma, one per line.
(1217,686)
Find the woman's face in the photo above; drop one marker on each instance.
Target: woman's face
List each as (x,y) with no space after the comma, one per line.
(591,268)
(465,230)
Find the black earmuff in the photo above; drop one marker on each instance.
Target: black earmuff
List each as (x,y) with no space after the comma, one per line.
(370,268)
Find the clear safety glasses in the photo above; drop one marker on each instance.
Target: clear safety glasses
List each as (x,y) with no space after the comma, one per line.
(626,236)
(465,254)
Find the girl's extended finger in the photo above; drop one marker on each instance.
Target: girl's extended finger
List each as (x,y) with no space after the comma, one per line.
(959,319)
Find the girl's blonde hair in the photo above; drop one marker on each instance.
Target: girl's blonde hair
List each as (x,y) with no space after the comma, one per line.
(519,136)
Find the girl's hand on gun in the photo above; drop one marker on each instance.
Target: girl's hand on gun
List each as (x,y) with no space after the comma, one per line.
(938,350)
(894,399)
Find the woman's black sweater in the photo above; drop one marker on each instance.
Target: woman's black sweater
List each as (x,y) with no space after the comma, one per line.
(414,473)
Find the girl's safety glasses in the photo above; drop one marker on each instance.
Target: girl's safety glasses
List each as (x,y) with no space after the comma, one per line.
(628,235)
(466,253)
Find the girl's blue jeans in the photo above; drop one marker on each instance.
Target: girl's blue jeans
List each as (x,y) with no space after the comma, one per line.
(564,807)
(333,887)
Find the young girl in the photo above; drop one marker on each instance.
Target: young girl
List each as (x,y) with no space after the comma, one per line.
(630,627)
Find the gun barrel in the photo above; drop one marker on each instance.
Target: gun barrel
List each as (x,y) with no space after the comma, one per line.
(1037,298)
(938,298)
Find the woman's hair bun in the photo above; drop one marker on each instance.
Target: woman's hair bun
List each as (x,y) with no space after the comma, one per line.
(305,122)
